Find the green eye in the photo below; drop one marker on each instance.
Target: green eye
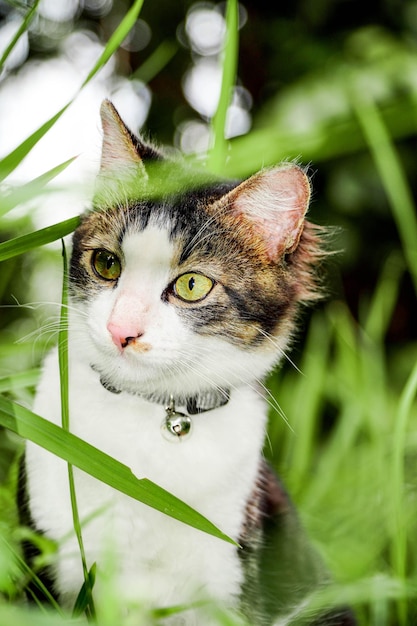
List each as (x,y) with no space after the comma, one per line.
(106,265)
(193,287)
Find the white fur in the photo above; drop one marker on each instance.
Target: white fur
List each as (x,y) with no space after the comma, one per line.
(159,560)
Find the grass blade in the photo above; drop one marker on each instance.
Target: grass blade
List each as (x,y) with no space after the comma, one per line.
(86,457)
(9,163)
(392,176)
(87,590)
(230,53)
(384,298)
(24,616)
(84,598)
(19,245)
(160,57)
(322,142)
(306,404)
(26,192)
(20,31)
(20,380)
(399,535)
(63,345)
(31,576)
(116,39)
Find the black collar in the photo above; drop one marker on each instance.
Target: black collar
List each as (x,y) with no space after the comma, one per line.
(195,404)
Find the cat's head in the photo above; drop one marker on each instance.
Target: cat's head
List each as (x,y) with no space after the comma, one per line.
(182,283)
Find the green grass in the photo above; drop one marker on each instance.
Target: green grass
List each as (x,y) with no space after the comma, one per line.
(349,457)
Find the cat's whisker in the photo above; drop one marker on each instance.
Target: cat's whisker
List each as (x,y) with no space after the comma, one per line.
(269,443)
(259,387)
(52,325)
(35,306)
(256,386)
(274,404)
(49,328)
(279,349)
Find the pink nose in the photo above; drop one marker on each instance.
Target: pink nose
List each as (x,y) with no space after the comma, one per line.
(122,336)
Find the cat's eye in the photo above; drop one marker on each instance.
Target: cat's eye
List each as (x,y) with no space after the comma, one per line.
(106,265)
(193,287)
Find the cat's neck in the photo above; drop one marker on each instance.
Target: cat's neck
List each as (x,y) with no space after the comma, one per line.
(194,403)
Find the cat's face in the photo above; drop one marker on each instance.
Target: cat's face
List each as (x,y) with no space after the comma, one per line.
(195,289)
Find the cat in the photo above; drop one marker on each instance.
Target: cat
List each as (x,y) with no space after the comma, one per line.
(184,294)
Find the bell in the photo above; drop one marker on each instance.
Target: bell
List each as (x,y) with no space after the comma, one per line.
(175,426)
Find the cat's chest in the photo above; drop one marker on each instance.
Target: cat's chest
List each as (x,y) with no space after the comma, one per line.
(213,470)
(223,443)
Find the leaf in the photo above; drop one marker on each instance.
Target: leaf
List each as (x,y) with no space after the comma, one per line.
(9,163)
(22,244)
(63,346)
(19,616)
(116,39)
(19,381)
(392,175)
(26,192)
(83,600)
(160,57)
(327,139)
(100,465)
(20,31)
(399,543)
(230,53)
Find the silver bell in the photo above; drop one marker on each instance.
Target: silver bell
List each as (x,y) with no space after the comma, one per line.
(175,426)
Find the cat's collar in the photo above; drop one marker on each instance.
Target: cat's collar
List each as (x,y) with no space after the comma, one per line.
(193,404)
(176,425)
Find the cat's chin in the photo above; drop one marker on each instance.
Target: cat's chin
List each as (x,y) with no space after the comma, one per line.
(157,383)
(162,382)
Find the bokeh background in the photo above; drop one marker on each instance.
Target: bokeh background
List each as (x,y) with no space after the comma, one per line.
(330,83)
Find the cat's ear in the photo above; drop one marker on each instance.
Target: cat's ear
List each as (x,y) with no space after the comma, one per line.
(274,202)
(124,158)
(120,148)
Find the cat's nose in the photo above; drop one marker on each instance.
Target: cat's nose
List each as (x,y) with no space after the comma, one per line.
(122,336)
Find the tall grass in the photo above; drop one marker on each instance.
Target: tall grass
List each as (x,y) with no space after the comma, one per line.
(349,458)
